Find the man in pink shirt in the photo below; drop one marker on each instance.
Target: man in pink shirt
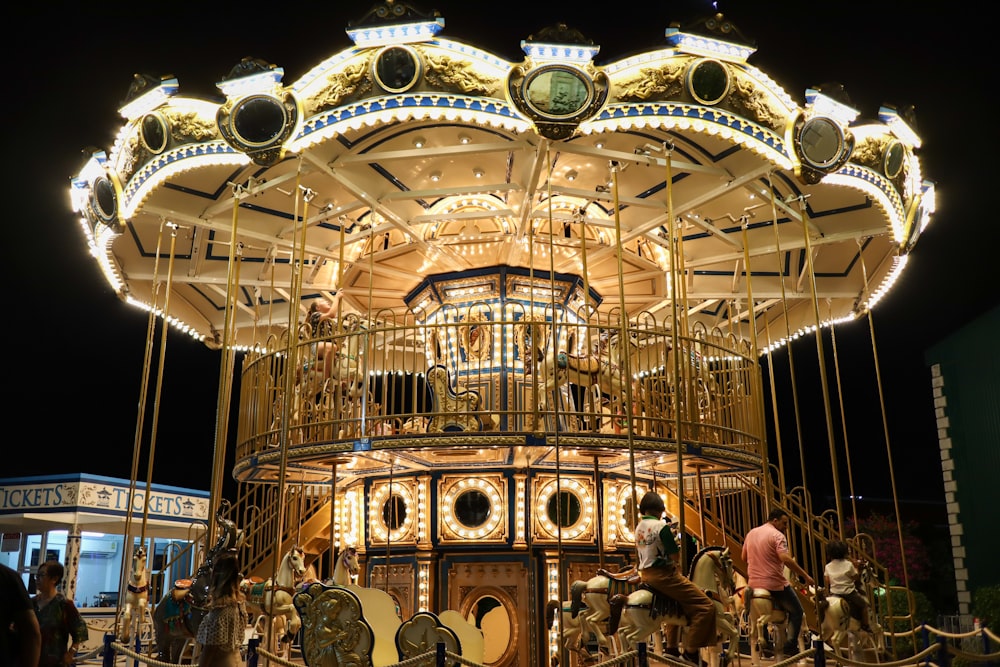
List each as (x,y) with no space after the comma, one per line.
(765,551)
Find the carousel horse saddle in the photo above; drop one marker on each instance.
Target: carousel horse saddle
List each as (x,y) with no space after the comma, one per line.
(631,578)
(579,363)
(660,604)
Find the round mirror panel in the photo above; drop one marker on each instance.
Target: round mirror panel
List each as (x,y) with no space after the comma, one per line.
(893,161)
(557,92)
(258,120)
(708,81)
(492,618)
(394,512)
(105,201)
(153,132)
(472,508)
(397,68)
(821,142)
(564,509)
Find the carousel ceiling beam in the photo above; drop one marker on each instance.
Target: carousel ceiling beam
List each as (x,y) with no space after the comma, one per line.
(640,158)
(516,251)
(265,240)
(425,152)
(437,193)
(464,215)
(387,213)
(786,246)
(239,304)
(253,188)
(368,200)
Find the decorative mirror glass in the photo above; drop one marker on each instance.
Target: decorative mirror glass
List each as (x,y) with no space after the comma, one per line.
(894,155)
(397,68)
(821,142)
(564,509)
(105,201)
(394,512)
(708,81)
(557,92)
(492,618)
(258,120)
(154,133)
(472,508)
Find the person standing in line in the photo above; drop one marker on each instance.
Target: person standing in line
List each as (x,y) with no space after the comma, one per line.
(62,627)
(765,551)
(657,552)
(20,638)
(222,631)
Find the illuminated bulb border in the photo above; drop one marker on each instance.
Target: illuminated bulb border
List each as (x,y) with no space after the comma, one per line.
(487,487)
(547,490)
(380,530)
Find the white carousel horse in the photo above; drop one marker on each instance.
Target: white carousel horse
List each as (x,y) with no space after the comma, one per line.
(837,626)
(346,570)
(571,626)
(634,620)
(274,599)
(762,615)
(136,596)
(591,599)
(338,359)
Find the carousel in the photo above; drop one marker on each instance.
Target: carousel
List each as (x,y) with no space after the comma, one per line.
(469,309)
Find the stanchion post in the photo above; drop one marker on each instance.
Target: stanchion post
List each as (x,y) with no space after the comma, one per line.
(642,657)
(109,653)
(819,657)
(252,655)
(439,658)
(943,657)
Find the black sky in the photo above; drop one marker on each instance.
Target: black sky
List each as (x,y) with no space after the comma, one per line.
(75,350)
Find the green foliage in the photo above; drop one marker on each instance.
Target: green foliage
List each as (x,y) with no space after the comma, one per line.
(923,612)
(986,606)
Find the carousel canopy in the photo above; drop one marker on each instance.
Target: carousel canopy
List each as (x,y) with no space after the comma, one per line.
(678,176)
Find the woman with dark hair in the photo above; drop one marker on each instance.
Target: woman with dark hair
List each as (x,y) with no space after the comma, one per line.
(58,618)
(223,629)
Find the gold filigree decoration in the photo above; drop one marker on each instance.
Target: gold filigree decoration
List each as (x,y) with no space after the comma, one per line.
(749,101)
(652,82)
(129,158)
(477,337)
(334,629)
(340,86)
(190,126)
(445,72)
(869,152)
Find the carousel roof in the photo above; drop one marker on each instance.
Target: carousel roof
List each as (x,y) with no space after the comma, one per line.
(411,155)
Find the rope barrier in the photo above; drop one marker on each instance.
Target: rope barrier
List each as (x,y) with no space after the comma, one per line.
(923,657)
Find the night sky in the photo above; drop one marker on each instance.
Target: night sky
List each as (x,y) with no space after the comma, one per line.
(76,350)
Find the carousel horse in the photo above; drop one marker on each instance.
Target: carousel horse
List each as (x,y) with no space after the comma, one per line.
(136,595)
(571,625)
(591,599)
(338,359)
(761,615)
(839,626)
(177,617)
(643,612)
(274,598)
(346,570)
